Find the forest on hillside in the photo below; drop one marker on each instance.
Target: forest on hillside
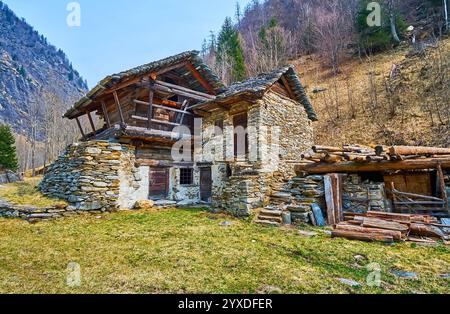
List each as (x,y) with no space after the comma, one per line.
(359,71)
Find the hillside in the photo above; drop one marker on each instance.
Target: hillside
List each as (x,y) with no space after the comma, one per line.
(31,72)
(391,98)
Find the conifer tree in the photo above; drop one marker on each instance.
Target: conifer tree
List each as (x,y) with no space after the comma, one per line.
(8,155)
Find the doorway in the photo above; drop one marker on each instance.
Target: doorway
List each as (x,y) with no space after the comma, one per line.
(159,182)
(205,184)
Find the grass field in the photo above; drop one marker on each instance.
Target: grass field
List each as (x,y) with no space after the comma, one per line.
(188,251)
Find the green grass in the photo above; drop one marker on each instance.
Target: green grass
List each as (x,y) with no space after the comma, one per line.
(26,193)
(187,251)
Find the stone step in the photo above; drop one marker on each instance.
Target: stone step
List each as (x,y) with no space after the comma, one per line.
(270,218)
(271,212)
(267,223)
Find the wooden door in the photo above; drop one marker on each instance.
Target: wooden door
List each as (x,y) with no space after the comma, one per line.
(416,183)
(205,184)
(159,182)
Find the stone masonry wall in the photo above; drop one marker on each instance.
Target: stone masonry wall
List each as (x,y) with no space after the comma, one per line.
(94,176)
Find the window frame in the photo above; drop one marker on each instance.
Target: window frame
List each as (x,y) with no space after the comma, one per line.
(184,177)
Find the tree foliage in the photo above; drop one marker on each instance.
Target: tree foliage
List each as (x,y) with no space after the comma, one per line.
(8,155)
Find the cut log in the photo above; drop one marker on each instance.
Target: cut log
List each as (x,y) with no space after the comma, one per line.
(418,150)
(361,236)
(355,167)
(396,235)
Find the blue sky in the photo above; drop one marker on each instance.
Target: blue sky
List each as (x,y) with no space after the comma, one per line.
(116,34)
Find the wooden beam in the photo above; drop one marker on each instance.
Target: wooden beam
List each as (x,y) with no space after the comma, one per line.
(160,102)
(150,107)
(154,120)
(352,167)
(105,115)
(91,122)
(119,108)
(80,127)
(200,79)
(184,89)
(171,90)
(163,107)
(330,200)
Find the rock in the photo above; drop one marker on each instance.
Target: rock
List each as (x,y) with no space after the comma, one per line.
(144,205)
(165,203)
(100,184)
(93,151)
(187,203)
(226,223)
(269,290)
(404,275)
(445,276)
(361,258)
(350,282)
(308,234)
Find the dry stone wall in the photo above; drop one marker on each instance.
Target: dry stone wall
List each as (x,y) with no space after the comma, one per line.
(94,176)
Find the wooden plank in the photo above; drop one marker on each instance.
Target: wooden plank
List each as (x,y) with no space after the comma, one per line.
(163,107)
(105,115)
(329,200)
(200,79)
(80,127)
(154,120)
(337,197)
(91,122)
(119,109)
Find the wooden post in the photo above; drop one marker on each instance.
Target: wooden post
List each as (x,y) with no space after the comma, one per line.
(442,186)
(119,108)
(81,128)
(91,122)
(150,107)
(105,115)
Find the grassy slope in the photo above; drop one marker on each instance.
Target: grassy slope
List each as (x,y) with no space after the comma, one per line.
(419,85)
(187,251)
(26,193)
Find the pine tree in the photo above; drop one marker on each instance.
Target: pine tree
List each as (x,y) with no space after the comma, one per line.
(229,46)
(8,155)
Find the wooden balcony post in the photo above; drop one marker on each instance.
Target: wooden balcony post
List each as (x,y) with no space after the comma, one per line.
(105,115)
(91,122)
(119,108)
(80,127)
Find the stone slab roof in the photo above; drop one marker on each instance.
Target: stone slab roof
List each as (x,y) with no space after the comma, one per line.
(258,85)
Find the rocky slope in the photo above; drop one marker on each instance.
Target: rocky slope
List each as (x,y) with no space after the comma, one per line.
(29,69)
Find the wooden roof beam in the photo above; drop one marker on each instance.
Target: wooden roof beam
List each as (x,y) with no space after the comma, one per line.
(200,79)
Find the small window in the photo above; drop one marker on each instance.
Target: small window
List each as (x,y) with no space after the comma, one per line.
(186,176)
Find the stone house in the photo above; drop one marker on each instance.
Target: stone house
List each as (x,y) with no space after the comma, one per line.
(172,132)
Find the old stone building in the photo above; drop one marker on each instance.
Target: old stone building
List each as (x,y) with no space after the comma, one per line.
(172,132)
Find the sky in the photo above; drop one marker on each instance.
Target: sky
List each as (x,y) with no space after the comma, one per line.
(115,35)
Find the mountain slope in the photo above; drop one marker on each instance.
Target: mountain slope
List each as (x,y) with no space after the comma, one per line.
(394,98)
(30,70)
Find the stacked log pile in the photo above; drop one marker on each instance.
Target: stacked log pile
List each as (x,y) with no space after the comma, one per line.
(390,227)
(364,154)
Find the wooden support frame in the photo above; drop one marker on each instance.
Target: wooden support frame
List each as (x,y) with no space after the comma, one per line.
(186,90)
(81,128)
(119,107)
(91,122)
(105,115)
(442,187)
